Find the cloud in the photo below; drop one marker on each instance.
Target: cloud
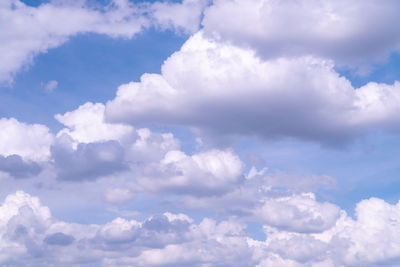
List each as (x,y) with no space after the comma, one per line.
(367,240)
(50,86)
(156,162)
(30,141)
(288,206)
(151,146)
(352,34)
(119,195)
(205,173)
(17,167)
(77,146)
(29,234)
(59,239)
(183,16)
(209,243)
(88,161)
(86,125)
(298,213)
(225,90)
(34,30)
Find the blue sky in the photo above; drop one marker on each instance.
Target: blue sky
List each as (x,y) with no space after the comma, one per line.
(203,133)
(109,62)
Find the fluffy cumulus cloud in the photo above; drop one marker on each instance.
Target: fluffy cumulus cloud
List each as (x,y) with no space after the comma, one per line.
(29,30)
(29,141)
(86,124)
(204,173)
(91,147)
(299,213)
(224,89)
(350,33)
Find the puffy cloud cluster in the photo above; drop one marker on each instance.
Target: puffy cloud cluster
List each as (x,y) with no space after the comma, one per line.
(86,124)
(351,33)
(286,208)
(298,213)
(28,31)
(29,234)
(223,89)
(91,147)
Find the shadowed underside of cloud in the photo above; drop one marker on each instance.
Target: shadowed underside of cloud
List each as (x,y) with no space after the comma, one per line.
(88,161)
(59,239)
(17,167)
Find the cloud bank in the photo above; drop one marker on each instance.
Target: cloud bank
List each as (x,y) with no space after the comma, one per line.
(31,235)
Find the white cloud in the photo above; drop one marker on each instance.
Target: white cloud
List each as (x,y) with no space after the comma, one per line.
(287,206)
(119,195)
(298,213)
(30,141)
(29,234)
(373,238)
(205,173)
(156,161)
(86,125)
(351,33)
(34,30)
(50,86)
(223,89)
(151,146)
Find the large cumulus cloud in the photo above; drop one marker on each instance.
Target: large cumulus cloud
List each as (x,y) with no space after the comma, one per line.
(223,89)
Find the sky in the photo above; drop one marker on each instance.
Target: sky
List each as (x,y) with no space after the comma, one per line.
(199,133)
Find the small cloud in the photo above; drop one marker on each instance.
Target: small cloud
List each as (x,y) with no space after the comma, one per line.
(50,86)
(119,195)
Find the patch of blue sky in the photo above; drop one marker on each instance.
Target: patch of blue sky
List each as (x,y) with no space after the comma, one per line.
(88,67)
(366,168)
(387,71)
(255,230)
